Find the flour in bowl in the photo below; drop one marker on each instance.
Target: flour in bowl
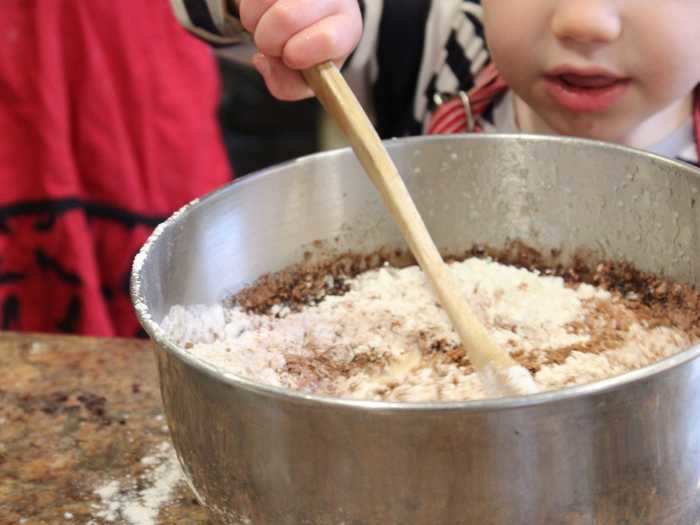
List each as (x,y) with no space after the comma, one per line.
(384,337)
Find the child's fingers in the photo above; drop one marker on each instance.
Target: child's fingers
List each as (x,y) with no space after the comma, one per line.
(323,41)
(287,18)
(282,82)
(250,12)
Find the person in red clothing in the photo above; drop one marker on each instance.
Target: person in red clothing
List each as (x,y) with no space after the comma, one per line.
(107,119)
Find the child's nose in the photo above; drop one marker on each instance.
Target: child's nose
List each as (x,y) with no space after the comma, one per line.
(586,21)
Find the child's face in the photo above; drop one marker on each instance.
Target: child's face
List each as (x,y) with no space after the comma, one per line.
(617,70)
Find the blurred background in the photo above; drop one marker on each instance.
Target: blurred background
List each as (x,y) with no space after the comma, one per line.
(267,131)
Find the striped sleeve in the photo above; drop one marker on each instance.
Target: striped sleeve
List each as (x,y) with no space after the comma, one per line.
(413,52)
(215,21)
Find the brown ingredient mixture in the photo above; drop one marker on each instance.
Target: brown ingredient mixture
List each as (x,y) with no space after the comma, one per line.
(638,296)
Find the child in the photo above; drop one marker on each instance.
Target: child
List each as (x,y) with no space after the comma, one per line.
(587,68)
(108,126)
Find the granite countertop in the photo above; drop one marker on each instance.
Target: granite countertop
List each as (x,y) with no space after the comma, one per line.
(82,435)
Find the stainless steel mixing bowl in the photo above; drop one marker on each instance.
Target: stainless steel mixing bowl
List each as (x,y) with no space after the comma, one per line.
(621,451)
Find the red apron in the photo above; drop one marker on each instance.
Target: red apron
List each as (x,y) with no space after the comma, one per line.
(107,125)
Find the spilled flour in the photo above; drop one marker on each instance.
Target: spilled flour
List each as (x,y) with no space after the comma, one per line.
(138,503)
(386,338)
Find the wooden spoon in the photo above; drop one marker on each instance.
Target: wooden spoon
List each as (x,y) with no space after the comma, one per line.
(500,374)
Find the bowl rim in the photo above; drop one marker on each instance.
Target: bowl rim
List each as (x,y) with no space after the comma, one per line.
(614,383)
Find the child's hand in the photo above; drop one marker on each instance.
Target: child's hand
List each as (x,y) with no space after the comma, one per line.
(296,34)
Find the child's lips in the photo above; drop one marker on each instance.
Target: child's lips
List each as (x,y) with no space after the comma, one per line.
(585,92)
(588,81)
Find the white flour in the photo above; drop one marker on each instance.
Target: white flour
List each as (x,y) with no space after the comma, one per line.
(123,502)
(388,339)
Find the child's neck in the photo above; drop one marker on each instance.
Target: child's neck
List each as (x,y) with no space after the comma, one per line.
(650,132)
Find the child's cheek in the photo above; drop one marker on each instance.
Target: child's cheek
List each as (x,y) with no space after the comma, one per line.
(513,60)
(669,64)
(503,27)
(672,77)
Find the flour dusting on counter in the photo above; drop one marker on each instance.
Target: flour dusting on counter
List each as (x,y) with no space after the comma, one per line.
(138,503)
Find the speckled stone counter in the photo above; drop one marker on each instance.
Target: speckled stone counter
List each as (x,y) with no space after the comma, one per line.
(81,430)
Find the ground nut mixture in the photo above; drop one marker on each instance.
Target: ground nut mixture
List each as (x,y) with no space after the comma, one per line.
(381,334)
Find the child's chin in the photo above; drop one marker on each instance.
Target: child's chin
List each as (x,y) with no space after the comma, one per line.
(591,127)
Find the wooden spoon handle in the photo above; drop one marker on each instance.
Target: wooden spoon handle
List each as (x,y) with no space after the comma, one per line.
(340,102)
